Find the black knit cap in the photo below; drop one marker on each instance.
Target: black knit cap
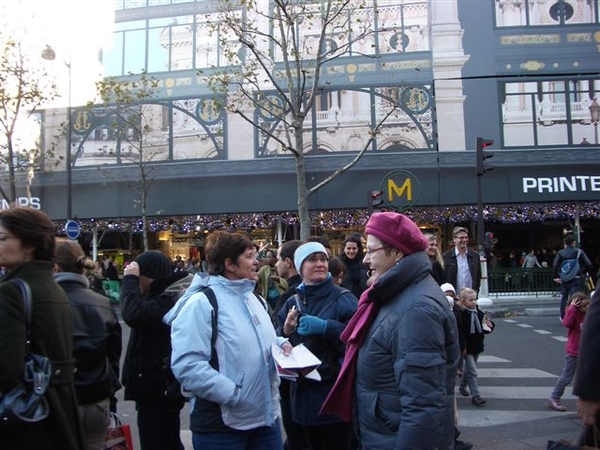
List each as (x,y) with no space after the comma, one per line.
(154,264)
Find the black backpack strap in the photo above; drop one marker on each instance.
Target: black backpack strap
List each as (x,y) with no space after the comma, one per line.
(212,299)
(26,294)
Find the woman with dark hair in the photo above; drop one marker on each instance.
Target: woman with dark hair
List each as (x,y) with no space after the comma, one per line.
(356,273)
(96,343)
(231,374)
(27,244)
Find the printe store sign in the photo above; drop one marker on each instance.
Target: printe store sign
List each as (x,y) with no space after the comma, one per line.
(33,202)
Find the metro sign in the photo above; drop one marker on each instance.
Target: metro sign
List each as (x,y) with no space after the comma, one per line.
(400,189)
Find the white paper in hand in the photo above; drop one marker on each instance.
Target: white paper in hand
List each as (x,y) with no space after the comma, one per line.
(301,361)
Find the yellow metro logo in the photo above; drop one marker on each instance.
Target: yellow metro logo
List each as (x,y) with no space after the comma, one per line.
(401,189)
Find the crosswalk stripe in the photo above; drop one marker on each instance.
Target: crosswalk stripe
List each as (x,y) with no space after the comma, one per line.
(482,417)
(492,359)
(513,373)
(560,338)
(497,410)
(542,332)
(524,325)
(519,392)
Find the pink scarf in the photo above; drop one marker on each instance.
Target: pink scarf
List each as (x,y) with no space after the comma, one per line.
(341,397)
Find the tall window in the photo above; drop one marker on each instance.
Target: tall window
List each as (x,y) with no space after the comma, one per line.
(545,12)
(549,112)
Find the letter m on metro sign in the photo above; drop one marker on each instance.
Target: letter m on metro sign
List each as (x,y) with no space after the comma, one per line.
(400,189)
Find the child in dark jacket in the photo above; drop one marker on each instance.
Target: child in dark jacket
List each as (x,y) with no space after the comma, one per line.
(475,325)
(573,320)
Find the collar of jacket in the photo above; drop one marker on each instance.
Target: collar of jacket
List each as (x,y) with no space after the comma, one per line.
(62,277)
(408,270)
(159,285)
(315,291)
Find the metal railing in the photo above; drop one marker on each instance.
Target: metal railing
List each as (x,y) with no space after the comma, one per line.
(516,281)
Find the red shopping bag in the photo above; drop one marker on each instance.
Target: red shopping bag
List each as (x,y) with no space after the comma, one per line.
(118,435)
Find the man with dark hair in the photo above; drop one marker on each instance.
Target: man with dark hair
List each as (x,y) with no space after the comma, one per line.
(461,265)
(569,287)
(287,270)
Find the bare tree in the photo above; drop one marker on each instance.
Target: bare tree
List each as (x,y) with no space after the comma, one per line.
(130,116)
(277,51)
(23,89)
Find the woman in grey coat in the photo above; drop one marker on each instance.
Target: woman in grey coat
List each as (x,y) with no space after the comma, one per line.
(402,347)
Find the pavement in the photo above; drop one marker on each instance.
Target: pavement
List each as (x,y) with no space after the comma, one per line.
(523,305)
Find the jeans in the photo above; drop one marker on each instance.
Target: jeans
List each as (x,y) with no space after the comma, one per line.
(567,289)
(565,377)
(263,438)
(470,375)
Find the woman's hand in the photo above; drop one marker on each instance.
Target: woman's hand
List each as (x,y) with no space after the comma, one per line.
(287,348)
(291,321)
(132,269)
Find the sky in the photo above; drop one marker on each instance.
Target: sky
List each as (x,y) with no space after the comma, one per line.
(75,29)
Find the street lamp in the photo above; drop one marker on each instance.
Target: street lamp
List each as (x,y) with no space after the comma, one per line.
(595,113)
(49,54)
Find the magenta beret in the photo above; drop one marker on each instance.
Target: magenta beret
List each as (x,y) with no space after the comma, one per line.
(398,231)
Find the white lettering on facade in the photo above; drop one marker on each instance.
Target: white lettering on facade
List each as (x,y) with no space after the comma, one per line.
(550,185)
(33,202)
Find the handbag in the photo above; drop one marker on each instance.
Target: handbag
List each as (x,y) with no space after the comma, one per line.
(118,435)
(26,402)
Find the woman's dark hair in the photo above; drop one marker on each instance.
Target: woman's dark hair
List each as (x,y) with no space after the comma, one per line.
(336,266)
(222,245)
(33,228)
(70,257)
(357,239)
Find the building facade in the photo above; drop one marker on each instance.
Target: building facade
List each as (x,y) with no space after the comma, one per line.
(525,74)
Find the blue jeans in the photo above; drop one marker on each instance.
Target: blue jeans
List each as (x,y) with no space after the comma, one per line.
(565,377)
(567,289)
(470,375)
(263,438)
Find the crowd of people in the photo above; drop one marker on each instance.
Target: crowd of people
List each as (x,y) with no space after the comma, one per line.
(393,320)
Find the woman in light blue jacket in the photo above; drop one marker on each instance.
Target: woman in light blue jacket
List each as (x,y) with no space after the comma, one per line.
(231,376)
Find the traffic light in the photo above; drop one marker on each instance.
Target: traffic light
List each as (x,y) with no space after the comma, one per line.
(482,155)
(375,200)
(490,241)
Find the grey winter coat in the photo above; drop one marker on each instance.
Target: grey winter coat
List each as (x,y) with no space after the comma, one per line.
(407,364)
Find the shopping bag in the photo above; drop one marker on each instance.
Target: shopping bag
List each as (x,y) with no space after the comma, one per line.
(118,435)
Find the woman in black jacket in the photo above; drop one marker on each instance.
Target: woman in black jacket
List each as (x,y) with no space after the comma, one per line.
(147,378)
(96,342)
(435,256)
(356,273)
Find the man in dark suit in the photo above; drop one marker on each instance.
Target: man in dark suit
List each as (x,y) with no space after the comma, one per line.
(462,265)
(587,379)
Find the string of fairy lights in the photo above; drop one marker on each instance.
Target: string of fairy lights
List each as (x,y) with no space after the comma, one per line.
(344,219)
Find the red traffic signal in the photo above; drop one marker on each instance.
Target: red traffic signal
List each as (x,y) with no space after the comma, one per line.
(482,155)
(375,200)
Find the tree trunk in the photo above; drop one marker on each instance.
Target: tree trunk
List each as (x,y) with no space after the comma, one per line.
(11,172)
(303,213)
(144,222)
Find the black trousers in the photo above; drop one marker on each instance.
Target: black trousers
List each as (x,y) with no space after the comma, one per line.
(159,425)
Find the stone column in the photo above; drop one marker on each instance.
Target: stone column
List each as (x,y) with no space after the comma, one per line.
(448,61)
